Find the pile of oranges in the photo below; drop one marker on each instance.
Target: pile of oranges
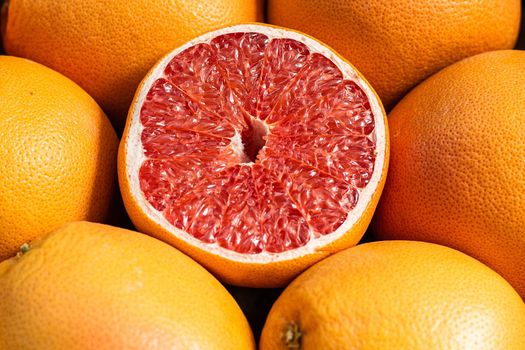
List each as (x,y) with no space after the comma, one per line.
(442,264)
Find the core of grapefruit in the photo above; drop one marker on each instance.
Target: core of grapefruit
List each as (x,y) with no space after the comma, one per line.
(92,286)
(255,149)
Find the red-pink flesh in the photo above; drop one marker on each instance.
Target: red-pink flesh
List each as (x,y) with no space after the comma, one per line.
(318,152)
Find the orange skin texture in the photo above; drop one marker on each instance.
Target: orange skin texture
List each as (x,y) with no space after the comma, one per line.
(397,44)
(398,295)
(248,274)
(58,152)
(107,47)
(93,286)
(457,170)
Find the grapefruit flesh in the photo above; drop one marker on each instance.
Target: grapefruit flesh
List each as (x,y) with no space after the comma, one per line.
(205,121)
(256,144)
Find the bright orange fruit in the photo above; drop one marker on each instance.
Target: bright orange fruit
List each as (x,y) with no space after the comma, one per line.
(255,149)
(92,286)
(397,295)
(457,175)
(397,44)
(58,154)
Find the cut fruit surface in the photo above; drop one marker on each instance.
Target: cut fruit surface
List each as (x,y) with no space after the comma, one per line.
(257,146)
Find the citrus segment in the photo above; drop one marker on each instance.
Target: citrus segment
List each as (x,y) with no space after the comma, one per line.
(242,55)
(255,140)
(284,60)
(316,80)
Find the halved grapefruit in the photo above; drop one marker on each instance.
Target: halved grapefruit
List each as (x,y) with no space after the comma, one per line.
(256,150)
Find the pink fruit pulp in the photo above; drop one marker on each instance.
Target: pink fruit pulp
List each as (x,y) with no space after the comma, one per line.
(255,144)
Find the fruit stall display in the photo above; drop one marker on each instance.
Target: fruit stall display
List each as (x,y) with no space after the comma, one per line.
(273,174)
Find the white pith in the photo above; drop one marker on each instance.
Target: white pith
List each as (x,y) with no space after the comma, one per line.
(135,155)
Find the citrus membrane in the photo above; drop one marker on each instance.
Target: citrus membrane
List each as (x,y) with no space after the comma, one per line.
(255,141)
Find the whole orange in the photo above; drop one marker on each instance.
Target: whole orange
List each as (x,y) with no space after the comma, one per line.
(93,286)
(107,47)
(58,154)
(397,295)
(457,171)
(397,44)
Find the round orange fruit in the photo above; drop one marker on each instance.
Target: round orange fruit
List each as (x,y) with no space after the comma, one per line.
(58,153)
(256,150)
(457,175)
(93,286)
(107,47)
(397,44)
(397,295)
